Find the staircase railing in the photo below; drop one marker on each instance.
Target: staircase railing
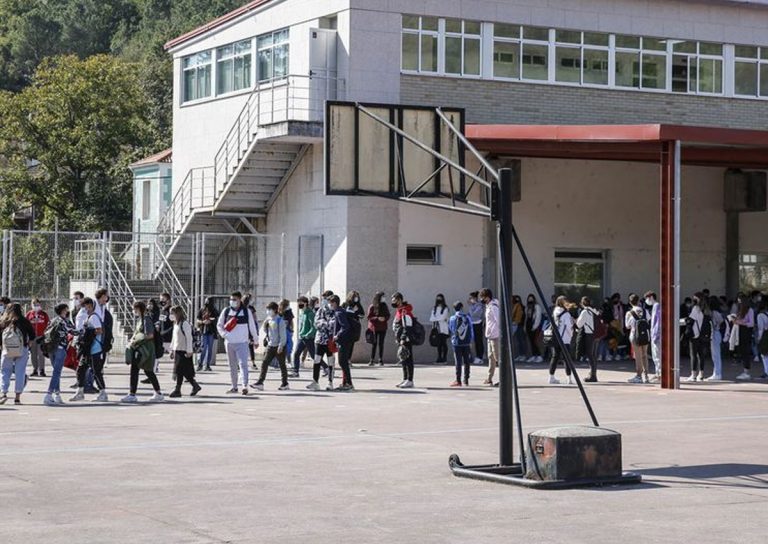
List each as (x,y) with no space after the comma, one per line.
(171,283)
(120,293)
(288,98)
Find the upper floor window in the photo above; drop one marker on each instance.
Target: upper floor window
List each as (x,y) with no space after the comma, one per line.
(581,57)
(419,47)
(520,52)
(273,55)
(197,76)
(640,63)
(233,67)
(751,73)
(462,47)
(697,67)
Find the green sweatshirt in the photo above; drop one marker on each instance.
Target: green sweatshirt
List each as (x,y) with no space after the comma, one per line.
(307,324)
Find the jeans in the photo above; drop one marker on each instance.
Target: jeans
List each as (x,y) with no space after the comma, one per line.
(57,362)
(519,346)
(479,332)
(533,342)
(716,348)
(463,356)
(95,363)
(602,349)
(301,345)
(696,351)
(345,355)
(237,354)
(17,365)
(656,354)
(378,343)
(208,352)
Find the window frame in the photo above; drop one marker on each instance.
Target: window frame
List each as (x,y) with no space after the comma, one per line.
(582,256)
(760,60)
(232,58)
(286,44)
(436,252)
(146,199)
(196,68)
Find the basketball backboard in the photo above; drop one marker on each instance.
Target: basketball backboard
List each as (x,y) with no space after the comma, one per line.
(365,155)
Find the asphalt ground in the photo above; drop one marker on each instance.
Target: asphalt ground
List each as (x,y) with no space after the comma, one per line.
(372,466)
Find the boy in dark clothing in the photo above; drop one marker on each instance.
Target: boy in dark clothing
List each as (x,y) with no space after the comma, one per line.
(401,326)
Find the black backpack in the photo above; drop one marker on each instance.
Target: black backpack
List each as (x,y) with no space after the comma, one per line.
(108,337)
(417,334)
(355,327)
(642,330)
(705,334)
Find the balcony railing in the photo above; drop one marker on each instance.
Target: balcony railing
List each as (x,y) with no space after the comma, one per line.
(289,98)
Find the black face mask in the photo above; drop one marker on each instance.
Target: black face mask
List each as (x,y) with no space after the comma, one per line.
(394,304)
(301,306)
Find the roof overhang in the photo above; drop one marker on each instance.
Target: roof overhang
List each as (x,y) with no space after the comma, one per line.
(704,146)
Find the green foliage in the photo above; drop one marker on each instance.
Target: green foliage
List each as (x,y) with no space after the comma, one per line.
(82,121)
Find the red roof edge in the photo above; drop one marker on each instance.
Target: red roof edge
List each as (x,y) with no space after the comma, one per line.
(161,157)
(234,14)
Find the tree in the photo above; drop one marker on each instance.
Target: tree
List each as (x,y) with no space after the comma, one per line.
(67,139)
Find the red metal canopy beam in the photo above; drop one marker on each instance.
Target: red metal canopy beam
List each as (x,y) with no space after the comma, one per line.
(669,326)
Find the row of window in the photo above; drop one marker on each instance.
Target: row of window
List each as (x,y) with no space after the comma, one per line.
(515,52)
(233,66)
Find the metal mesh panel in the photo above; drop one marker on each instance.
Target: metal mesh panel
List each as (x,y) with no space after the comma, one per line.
(310,279)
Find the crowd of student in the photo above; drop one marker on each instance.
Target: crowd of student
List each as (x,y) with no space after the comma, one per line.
(328,330)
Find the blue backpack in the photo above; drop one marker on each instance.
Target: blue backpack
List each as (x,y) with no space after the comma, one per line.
(463,330)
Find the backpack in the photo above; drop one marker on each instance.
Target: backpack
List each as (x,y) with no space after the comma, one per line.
(548,332)
(13,342)
(108,338)
(642,330)
(417,333)
(463,328)
(51,337)
(355,327)
(705,334)
(600,328)
(762,345)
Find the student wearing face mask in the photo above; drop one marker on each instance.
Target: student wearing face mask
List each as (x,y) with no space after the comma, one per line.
(344,339)
(476,312)
(402,326)
(16,333)
(324,323)
(142,355)
(275,342)
(439,319)
(235,325)
(532,327)
(307,333)
(40,321)
(58,332)
(654,308)
(355,313)
(182,350)
(206,324)
(285,311)
(492,332)
(378,318)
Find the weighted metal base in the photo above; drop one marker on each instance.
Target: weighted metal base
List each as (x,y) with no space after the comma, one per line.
(513,475)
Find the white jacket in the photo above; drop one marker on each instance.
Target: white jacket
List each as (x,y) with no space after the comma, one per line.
(182,339)
(441,317)
(564,322)
(238,335)
(586,321)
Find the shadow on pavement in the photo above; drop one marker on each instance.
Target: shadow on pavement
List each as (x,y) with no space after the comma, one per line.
(740,475)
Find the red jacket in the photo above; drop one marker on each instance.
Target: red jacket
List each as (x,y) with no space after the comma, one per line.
(39,322)
(373,319)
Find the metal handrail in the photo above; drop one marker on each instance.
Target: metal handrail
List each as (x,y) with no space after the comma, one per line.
(121,290)
(177,287)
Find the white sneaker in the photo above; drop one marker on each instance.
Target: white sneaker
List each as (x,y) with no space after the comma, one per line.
(57,399)
(313,386)
(715,378)
(478,361)
(77,396)
(258,386)
(636,379)
(553,381)
(744,376)
(401,384)
(571,381)
(157,397)
(48,400)
(129,399)
(103,397)
(656,378)
(285,387)
(645,378)
(539,359)
(408,384)
(617,357)
(701,376)
(691,378)
(329,387)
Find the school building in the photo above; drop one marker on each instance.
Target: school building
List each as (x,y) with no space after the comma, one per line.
(249,95)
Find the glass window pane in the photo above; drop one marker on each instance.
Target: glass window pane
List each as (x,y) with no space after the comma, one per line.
(224,52)
(568,64)
(204,81)
(706,48)
(654,72)
(654,44)
(280,59)
(264,41)
(242,72)
(506,60)
(242,48)
(746,51)
(574,279)
(472,27)
(596,66)
(764,80)
(452,55)
(684,47)
(746,78)
(281,36)
(534,62)
(265,65)
(189,85)
(568,36)
(595,38)
(224,76)
(535,33)
(411,21)
(627,69)
(630,42)
(471,57)
(682,73)
(428,53)
(710,76)
(429,23)
(410,51)
(764,53)
(453,25)
(506,31)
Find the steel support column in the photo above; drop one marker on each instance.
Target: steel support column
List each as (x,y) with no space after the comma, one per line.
(670,264)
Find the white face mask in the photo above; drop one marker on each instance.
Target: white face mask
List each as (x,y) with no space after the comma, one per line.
(271,313)
(37,307)
(356,299)
(234,304)
(76,302)
(172,317)
(649,301)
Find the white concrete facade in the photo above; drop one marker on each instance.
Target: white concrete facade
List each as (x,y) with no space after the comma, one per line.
(611,207)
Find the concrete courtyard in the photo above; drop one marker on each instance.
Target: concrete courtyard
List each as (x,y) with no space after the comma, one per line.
(372,466)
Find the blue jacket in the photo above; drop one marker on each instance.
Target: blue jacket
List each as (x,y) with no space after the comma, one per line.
(462,332)
(342,330)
